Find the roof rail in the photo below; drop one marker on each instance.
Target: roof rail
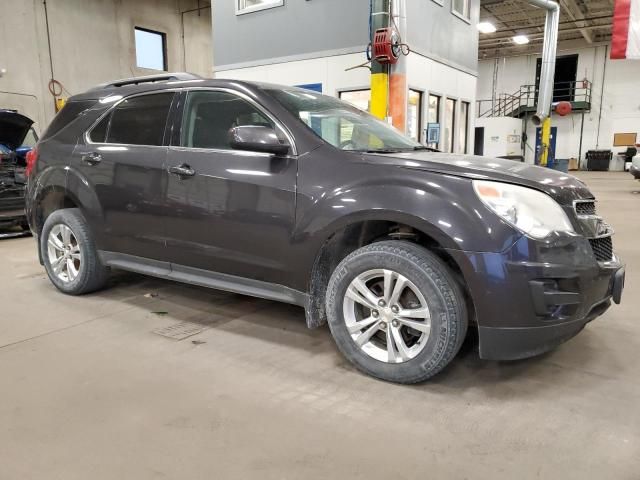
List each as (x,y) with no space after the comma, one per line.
(163,77)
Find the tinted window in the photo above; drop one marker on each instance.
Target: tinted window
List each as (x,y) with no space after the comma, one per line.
(209,116)
(68,114)
(99,132)
(140,120)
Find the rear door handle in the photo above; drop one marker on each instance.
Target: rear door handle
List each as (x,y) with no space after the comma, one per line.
(183,170)
(92,158)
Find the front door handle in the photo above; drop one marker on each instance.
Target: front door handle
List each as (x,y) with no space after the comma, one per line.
(183,170)
(92,158)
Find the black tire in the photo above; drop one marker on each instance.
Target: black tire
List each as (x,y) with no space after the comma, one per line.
(92,274)
(435,282)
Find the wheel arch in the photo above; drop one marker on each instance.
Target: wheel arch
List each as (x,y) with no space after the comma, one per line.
(356,231)
(63,190)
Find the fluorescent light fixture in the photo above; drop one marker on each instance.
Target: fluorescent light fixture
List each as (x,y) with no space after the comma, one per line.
(520,39)
(486,27)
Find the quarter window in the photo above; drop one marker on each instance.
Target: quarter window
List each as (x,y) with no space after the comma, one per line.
(139,120)
(208,117)
(248,6)
(99,132)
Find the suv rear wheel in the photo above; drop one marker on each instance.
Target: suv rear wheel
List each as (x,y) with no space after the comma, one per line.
(396,312)
(69,253)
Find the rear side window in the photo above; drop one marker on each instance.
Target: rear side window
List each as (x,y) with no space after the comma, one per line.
(138,121)
(68,114)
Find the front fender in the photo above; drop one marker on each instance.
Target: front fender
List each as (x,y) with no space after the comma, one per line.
(443,208)
(337,192)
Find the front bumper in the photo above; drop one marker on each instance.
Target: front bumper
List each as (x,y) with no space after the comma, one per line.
(537,295)
(12,211)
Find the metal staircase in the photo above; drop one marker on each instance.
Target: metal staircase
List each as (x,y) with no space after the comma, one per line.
(525,101)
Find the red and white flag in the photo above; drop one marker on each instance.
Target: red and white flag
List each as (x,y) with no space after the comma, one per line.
(625,42)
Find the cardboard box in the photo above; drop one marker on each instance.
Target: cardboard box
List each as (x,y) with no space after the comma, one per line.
(573,164)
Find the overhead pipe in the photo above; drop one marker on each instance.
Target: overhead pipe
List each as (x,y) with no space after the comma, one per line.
(549,49)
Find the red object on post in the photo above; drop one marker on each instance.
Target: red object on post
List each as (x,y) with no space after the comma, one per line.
(384,40)
(563,108)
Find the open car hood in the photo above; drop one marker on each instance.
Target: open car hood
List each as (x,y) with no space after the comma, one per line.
(13,128)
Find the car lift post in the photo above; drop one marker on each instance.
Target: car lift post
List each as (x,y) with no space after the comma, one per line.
(380,18)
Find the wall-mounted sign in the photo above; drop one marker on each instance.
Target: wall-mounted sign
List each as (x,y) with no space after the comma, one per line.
(433,133)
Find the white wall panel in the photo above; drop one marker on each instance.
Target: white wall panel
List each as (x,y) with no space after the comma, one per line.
(620,106)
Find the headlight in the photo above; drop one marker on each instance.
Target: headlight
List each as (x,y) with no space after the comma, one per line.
(530,211)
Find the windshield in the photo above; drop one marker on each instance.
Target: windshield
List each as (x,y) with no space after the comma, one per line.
(342,125)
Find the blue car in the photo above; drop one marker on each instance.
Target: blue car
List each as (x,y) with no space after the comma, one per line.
(17,138)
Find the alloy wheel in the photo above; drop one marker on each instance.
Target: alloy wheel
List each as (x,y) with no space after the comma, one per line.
(387,316)
(64,253)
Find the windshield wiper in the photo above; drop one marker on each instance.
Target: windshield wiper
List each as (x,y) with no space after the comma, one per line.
(381,150)
(422,147)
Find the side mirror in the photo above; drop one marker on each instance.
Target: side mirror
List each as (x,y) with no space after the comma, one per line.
(257,138)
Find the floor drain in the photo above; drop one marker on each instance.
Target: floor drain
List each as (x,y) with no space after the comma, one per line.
(180,331)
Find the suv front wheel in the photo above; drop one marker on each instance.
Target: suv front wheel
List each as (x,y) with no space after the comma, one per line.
(69,253)
(396,312)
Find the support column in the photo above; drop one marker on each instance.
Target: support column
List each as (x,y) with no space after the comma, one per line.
(398,87)
(545,143)
(379,72)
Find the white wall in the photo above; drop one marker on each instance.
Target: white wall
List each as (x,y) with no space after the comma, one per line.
(92,41)
(432,77)
(330,71)
(423,74)
(502,136)
(620,104)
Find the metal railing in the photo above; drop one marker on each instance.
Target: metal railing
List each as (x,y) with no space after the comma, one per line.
(526,99)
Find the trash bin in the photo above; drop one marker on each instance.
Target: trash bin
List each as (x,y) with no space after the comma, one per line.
(598,160)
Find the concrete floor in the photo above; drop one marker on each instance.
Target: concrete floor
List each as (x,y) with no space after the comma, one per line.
(88,391)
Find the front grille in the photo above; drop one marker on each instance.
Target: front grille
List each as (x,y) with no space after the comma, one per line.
(586,207)
(602,248)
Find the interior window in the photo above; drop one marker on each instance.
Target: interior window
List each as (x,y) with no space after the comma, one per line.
(140,120)
(357,98)
(208,117)
(462,8)
(151,49)
(247,6)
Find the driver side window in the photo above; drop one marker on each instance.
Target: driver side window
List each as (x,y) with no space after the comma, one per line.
(209,115)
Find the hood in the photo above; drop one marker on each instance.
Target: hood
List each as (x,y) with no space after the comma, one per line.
(563,187)
(13,128)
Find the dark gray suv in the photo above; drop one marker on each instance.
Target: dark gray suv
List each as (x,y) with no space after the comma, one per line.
(285,194)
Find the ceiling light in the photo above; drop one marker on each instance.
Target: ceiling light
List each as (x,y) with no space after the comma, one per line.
(520,39)
(486,27)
